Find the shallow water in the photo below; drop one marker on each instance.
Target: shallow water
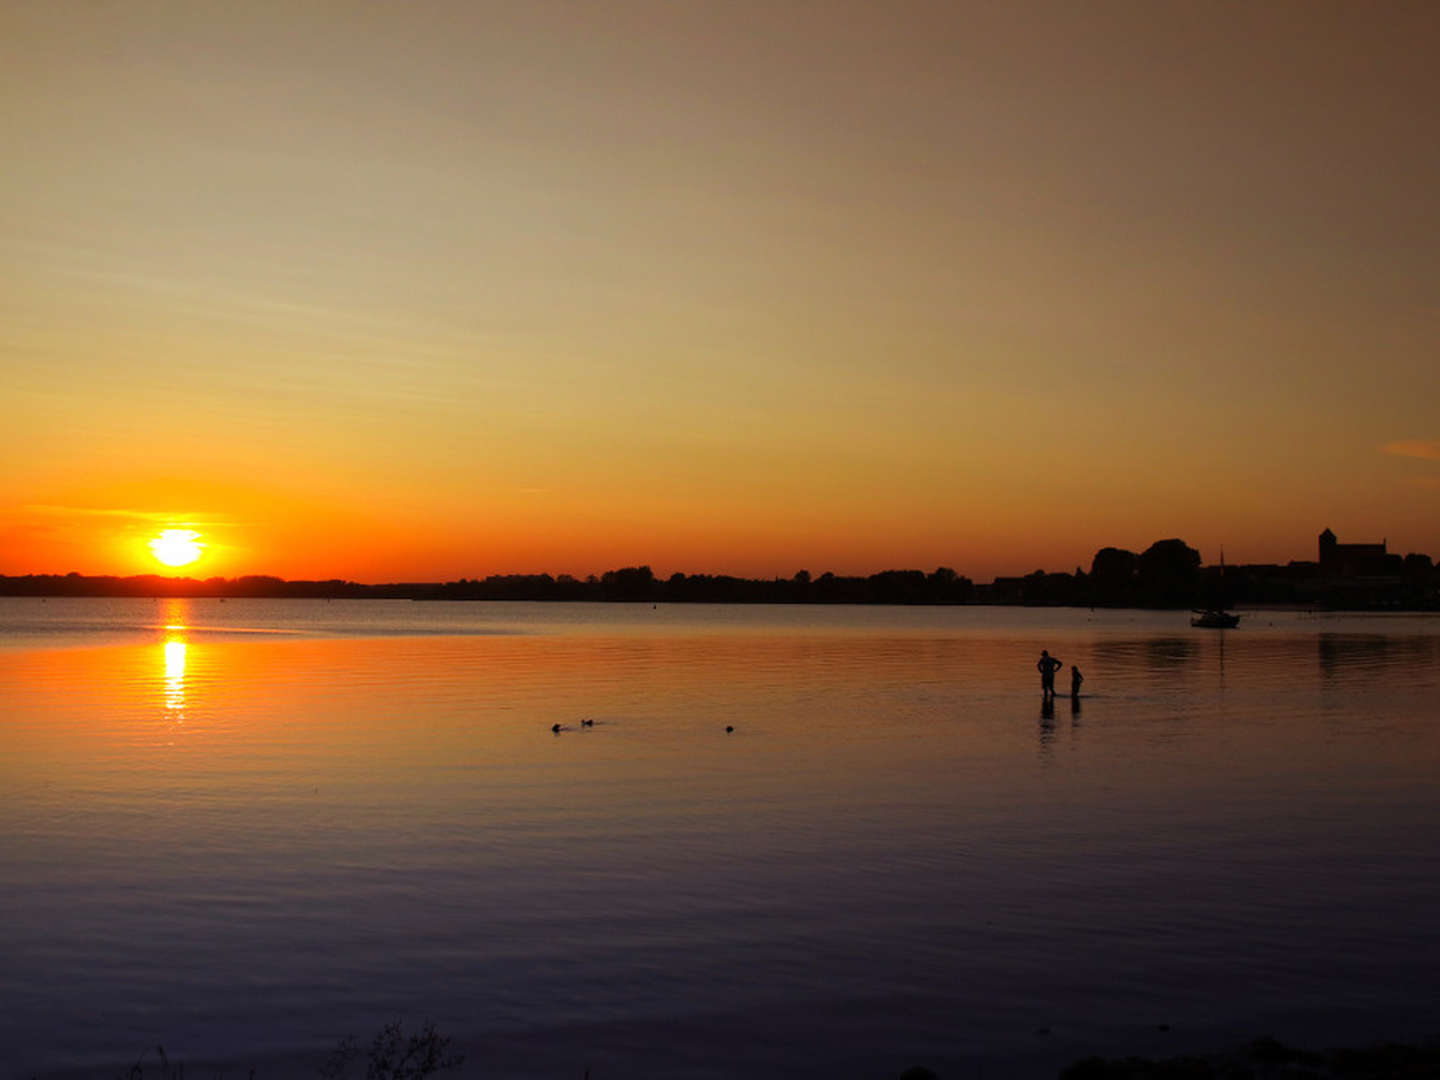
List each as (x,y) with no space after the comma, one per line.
(247,829)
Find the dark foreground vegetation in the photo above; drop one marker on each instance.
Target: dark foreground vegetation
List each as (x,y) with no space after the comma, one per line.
(1167,574)
(394,1054)
(391,1054)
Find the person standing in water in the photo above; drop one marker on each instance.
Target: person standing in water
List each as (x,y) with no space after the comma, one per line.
(1075,680)
(1047,666)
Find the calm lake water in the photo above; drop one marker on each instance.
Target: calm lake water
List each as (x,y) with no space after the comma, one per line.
(247,829)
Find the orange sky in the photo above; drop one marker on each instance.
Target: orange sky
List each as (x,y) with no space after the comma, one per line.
(400,292)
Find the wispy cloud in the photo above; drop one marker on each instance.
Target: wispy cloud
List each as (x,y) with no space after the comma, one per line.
(153,516)
(1417,448)
(52,510)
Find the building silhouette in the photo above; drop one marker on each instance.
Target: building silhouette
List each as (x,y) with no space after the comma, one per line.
(1339,560)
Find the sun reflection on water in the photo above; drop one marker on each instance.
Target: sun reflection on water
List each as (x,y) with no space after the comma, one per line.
(174,674)
(173,648)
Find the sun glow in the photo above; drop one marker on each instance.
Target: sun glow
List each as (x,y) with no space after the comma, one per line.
(177,547)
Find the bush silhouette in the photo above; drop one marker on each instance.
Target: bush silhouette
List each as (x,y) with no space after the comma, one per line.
(393,1055)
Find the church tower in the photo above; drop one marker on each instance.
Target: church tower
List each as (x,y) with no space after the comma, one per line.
(1327,550)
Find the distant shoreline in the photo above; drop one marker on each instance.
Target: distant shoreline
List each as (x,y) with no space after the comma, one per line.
(1167,576)
(941,588)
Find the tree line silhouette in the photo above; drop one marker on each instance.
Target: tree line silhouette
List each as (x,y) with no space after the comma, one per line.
(1167,574)
(629,584)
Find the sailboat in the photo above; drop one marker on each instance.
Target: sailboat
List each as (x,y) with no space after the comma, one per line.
(1216,618)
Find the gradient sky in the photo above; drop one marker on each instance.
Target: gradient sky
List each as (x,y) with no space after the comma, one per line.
(417,291)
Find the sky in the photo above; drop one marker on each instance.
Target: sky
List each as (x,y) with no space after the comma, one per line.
(441,289)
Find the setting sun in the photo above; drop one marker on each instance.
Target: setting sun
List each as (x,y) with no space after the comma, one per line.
(177,547)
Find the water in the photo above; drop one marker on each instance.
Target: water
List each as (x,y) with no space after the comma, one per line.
(244,830)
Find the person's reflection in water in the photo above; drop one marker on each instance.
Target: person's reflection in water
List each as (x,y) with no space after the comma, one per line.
(1074,708)
(1047,726)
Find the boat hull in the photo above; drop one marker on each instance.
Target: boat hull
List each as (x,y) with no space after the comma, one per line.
(1215,620)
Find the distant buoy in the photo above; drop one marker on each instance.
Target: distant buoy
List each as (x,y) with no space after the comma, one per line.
(555,728)
(729,729)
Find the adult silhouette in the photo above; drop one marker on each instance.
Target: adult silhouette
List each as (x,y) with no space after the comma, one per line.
(1047,666)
